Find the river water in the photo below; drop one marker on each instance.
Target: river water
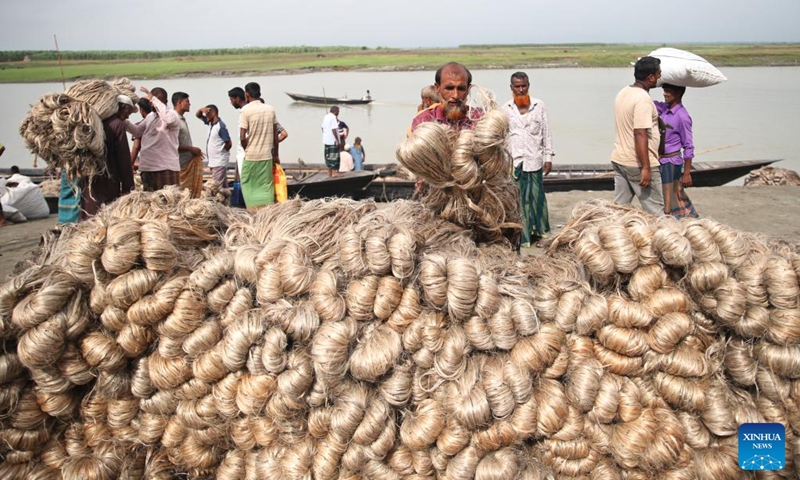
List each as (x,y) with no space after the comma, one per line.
(754,115)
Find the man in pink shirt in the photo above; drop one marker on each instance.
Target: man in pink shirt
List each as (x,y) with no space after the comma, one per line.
(158,158)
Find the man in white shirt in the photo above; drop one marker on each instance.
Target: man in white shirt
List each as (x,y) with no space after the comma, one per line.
(530,145)
(346,163)
(218,144)
(331,141)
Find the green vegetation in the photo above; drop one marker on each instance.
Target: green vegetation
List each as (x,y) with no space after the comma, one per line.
(43,66)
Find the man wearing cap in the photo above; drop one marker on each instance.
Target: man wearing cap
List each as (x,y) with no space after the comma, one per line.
(117,180)
(158,159)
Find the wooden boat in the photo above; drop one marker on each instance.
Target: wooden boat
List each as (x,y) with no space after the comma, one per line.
(311,184)
(590,177)
(306,181)
(297,97)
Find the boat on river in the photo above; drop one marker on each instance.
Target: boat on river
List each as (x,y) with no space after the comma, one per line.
(297,97)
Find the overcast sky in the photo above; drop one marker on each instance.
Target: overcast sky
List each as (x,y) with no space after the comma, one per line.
(173,24)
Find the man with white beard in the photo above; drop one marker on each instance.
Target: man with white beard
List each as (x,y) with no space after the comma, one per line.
(452,84)
(530,144)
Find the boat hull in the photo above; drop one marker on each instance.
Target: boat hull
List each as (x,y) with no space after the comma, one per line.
(597,177)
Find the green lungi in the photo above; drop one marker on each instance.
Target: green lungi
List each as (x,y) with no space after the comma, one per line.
(535,219)
(258,184)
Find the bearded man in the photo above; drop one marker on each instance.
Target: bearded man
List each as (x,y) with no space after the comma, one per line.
(452,84)
(530,144)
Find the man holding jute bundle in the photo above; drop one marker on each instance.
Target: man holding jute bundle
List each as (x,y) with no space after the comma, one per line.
(452,84)
(189,156)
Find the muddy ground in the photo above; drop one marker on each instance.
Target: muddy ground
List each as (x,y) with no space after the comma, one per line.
(772,211)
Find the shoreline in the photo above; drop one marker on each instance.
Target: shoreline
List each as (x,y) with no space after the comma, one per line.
(43,67)
(390,69)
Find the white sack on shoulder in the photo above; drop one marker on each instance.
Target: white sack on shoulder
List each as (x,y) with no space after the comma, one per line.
(685,69)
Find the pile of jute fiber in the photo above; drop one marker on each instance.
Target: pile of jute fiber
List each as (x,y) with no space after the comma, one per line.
(66,129)
(772,176)
(171,337)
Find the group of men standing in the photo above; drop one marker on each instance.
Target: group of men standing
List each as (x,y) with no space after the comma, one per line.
(165,154)
(637,159)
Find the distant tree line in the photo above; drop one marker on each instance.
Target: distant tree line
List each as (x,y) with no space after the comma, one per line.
(45,55)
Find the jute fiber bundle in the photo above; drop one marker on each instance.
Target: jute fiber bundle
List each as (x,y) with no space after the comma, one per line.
(772,176)
(468,175)
(99,94)
(66,130)
(125,87)
(66,133)
(171,337)
(50,188)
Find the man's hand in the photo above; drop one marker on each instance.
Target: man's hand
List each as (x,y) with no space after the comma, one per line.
(197,152)
(146,92)
(686,179)
(547,167)
(646,178)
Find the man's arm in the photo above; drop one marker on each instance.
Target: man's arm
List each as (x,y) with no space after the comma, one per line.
(191,148)
(201,114)
(687,142)
(640,137)
(137,146)
(243,137)
(276,159)
(282,133)
(225,136)
(136,129)
(547,139)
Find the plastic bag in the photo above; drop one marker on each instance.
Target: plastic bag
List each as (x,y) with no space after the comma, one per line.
(281,190)
(237,198)
(685,69)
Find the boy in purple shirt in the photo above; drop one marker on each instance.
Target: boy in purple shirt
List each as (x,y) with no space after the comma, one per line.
(675,165)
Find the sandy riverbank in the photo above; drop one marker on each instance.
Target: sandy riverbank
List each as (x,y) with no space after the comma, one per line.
(771,211)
